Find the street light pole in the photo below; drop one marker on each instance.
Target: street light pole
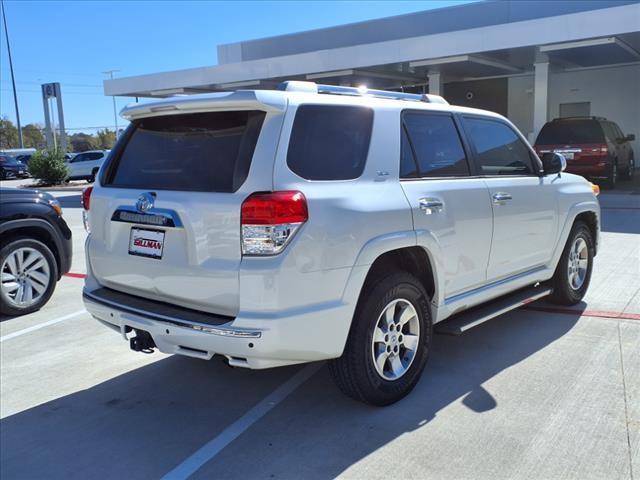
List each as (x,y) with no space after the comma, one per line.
(13,79)
(115,114)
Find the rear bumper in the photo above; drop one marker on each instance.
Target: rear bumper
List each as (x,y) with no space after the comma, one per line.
(600,170)
(317,333)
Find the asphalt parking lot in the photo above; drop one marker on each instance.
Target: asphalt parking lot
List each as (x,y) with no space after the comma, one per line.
(540,392)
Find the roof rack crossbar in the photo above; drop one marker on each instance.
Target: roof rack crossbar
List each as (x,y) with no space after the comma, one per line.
(312,87)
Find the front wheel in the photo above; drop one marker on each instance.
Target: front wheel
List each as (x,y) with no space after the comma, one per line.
(573,273)
(389,342)
(630,169)
(29,273)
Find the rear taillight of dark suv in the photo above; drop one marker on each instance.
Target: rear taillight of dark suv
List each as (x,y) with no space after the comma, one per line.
(270,220)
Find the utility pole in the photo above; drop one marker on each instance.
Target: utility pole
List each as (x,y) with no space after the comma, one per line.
(115,113)
(13,79)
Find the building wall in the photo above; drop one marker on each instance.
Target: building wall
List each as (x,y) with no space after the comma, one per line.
(485,94)
(614,93)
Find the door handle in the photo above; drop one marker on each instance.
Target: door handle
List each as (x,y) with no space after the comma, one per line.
(431,205)
(500,197)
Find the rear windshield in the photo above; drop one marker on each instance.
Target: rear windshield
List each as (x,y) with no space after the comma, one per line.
(570,132)
(330,142)
(203,152)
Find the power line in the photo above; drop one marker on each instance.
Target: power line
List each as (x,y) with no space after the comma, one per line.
(13,79)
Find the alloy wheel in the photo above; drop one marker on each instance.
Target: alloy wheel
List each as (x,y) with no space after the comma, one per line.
(578,263)
(24,277)
(395,339)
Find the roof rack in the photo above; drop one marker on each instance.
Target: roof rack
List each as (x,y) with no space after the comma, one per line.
(587,117)
(312,87)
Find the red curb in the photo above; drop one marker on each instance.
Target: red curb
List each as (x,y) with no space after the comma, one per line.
(585,313)
(75,275)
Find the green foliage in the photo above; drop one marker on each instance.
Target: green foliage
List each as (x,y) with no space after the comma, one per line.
(49,166)
(8,134)
(32,136)
(81,142)
(106,139)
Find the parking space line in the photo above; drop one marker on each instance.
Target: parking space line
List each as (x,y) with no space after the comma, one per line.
(210,449)
(585,313)
(75,275)
(41,325)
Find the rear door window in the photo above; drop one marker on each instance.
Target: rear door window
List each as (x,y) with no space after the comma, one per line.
(499,150)
(435,143)
(203,152)
(570,132)
(330,142)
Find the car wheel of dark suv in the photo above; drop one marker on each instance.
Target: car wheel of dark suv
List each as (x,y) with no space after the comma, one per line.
(612,178)
(630,169)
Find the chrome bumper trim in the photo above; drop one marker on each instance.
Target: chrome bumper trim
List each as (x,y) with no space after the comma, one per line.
(217,330)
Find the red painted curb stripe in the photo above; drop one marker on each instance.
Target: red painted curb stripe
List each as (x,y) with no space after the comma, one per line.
(75,275)
(586,313)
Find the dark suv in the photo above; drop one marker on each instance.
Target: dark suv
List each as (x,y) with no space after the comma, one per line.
(35,249)
(594,147)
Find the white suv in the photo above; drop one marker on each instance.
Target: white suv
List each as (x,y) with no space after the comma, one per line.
(85,165)
(317,222)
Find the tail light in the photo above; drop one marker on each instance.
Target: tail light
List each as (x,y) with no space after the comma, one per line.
(86,203)
(86,197)
(270,220)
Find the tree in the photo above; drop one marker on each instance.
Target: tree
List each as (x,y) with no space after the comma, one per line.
(8,134)
(106,139)
(81,142)
(49,166)
(32,136)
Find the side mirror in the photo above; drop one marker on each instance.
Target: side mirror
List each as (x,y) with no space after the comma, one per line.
(553,163)
(630,138)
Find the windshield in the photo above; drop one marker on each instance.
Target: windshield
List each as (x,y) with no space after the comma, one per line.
(9,161)
(570,132)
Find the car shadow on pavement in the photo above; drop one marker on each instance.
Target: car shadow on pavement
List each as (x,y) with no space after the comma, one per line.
(143,423)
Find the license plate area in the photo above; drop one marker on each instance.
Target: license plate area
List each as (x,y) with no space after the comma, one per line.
(146,242)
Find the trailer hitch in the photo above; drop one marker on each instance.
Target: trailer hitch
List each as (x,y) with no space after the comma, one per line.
(142,342)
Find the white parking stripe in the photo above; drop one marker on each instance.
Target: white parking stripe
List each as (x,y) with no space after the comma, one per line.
(210,449)
(41,325)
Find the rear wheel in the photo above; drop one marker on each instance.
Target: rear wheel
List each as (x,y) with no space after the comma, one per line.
(389,342)
(92,178)
(612,177)
(28,273)
(573,273)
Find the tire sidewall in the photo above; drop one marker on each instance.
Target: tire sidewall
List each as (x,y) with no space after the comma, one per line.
(389,391)
(23,242)
(571,295)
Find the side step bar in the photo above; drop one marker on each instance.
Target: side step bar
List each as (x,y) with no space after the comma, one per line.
(461,322)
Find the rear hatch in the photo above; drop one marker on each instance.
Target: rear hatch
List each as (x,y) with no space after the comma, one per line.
(165,216)
(582,142)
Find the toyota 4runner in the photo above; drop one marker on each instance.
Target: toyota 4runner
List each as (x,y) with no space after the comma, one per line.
(318,222)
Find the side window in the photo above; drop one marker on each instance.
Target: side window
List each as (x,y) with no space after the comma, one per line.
(94,156)
(609,131)
(617,131)
(330,142)
(436,144)
(408,166)
(499,150)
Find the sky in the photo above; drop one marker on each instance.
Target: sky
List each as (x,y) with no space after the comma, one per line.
(73,42)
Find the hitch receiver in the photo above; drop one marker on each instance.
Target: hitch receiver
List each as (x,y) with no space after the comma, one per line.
(142,342)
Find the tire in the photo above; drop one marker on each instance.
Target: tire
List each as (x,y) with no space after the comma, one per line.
(3,175)
(612,177)
(630,169)
(355,372)
(41,281)
(567,288)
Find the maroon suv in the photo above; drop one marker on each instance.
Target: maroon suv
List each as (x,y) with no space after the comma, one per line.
(594,147)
